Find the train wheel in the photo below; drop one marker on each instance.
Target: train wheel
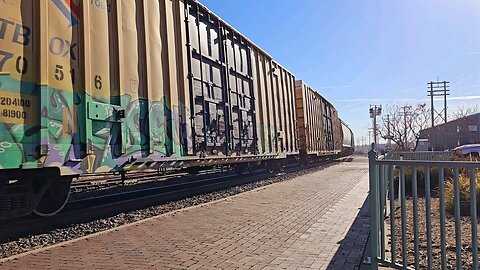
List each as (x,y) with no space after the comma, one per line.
(55,198)
(193,170)
(241,169)
(272,166)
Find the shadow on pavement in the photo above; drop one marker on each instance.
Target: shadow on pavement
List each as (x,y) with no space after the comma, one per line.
(350,253)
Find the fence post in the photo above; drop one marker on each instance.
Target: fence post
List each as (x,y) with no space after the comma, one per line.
(372,166)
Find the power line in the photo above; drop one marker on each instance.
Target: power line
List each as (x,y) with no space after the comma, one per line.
(466,71)
(462,66)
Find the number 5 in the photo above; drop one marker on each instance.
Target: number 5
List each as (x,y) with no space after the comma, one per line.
(59,75)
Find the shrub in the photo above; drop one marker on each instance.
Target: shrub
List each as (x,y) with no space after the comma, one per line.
(421,171)
(464,186)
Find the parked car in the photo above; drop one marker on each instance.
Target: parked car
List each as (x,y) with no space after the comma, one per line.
(468,150)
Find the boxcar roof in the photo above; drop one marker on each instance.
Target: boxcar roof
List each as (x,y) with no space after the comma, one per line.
(206,9)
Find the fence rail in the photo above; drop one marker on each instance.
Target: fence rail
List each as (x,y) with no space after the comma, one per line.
(424,156)
(424,213)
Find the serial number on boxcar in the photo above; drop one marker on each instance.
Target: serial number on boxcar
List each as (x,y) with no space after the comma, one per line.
(19,102)
(14,114)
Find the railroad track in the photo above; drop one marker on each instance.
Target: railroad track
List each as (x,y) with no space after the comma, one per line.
(94,182)
(95,208)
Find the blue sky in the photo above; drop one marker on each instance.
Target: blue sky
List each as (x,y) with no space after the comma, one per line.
(358,53)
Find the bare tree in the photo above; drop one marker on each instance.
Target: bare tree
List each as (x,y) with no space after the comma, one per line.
(463,111)
(402,124)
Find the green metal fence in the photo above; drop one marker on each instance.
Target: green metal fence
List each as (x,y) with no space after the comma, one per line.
(423,156)
(423,212)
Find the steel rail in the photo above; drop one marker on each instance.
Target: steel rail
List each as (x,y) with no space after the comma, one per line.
(86,183)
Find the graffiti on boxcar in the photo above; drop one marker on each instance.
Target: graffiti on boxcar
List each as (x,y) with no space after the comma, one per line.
(72,10)
(146,124)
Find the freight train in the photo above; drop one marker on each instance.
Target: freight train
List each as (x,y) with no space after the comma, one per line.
(89,87)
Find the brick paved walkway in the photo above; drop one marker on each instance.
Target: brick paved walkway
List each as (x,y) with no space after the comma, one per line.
(311,222)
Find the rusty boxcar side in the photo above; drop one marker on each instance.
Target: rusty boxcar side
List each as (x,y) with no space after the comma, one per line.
(319,127)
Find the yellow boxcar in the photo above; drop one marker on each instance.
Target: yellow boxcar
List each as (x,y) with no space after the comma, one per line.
(98,86)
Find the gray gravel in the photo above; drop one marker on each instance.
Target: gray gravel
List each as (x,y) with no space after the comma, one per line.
(32,242)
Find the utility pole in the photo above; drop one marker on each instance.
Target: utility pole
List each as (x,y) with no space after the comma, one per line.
(358,145)
(369,137)
(438,89)
(374,112)
(389,136)
(406,111)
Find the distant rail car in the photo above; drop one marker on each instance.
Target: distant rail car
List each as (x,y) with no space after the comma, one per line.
(99,86)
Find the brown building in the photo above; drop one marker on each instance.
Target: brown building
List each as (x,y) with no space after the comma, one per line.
(447,136)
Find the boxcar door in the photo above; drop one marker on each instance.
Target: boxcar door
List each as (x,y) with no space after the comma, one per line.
(328,127)
(240,83)
(208,85)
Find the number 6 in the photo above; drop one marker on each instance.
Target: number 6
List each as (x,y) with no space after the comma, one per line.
(98,82)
